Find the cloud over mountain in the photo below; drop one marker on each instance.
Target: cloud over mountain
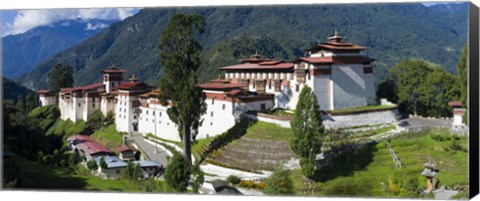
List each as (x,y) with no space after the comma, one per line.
(28,19)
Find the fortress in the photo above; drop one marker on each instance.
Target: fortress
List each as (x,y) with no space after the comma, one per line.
(338,73)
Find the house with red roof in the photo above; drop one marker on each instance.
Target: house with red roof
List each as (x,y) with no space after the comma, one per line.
(84,146)
(338,73)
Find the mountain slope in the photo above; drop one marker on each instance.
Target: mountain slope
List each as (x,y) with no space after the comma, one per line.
(391,31)
(13,91)
(24,51)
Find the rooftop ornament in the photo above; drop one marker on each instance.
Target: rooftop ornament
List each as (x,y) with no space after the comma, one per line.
(133,78)
(336,38)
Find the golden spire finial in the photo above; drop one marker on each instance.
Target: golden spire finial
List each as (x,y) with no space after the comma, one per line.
(336,38)
(133,78)
(112,67)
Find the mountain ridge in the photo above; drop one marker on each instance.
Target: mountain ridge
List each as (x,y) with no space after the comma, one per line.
(132,44)
(24,51)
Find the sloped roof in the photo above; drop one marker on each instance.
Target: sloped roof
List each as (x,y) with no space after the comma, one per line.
(125,148)
(112,161)
(262,65)
(83,88)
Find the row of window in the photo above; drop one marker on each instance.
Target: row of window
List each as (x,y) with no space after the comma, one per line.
(153,113)
(153,121)
(259,76)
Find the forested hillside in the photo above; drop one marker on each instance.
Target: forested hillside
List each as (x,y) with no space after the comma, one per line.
(392,32)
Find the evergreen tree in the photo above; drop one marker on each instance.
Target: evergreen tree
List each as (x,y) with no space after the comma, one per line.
(308,130)
(103,164)
(180,60)
(307,124)
(20,105)
(177,173)
(60,77)
(462,70)
(31,102)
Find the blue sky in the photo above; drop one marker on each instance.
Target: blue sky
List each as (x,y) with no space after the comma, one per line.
(19,21)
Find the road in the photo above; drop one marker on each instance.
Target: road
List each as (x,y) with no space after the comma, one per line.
(148,149)
(418,122)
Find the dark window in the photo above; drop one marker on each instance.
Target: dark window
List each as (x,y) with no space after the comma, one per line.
(153,113)
(147,112)
(213,100)
(223,106)
(93,105)
(277,85)
(134,117)
(118,171)
(79,104)
(211,114)
(262,107)
(211,123)
(297,87)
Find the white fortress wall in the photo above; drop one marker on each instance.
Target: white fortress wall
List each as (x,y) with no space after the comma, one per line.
(349,88)
(321,87)
(164,127)
(219,118)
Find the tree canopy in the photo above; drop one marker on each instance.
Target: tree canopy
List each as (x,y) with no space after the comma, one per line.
(420,88)
(279,183)
(180,57)
(61,76)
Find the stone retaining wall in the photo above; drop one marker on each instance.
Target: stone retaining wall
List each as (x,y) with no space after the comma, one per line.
(333,121)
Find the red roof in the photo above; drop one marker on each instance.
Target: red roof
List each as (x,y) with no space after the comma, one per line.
(88,145)
(113,71)
(130,85)
(315,60)
(251,66)
(269,62)
(43,91)
(83,88)
(93,147)
(342,46)
(254,60)
(455,104)
(221,86)
(80,138)
(220,81)
(124,148)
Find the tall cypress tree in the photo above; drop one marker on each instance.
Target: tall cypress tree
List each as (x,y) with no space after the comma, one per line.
(61,76)
(463,75)
(308,130)
(307,125)
(180,58)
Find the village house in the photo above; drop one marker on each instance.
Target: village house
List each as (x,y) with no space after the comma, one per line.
(115,167)
(126,152)
(338,73)
(86,147)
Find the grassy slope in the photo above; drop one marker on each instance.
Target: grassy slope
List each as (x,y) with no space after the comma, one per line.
(108,136)
(37,176)
(376,166)
(268,131)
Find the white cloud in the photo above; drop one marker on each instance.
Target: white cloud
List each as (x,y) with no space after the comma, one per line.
(28,19)
(91,26)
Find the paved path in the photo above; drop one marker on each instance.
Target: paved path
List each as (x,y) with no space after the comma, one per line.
(149,149)
(425,122)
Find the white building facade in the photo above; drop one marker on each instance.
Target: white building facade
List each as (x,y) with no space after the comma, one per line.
(339,75)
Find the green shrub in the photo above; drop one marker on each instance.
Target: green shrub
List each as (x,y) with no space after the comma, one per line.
(92,165)
(232,179)
(177,173)
(279,183)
